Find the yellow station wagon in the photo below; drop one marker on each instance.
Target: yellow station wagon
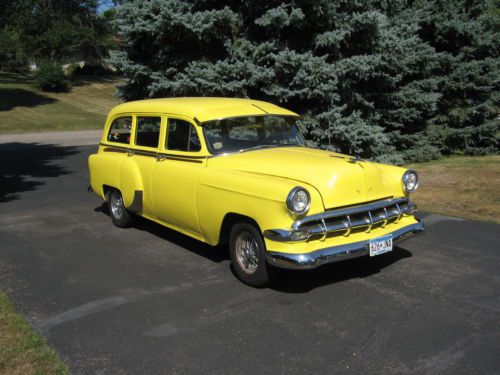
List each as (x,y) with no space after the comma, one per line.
(237,171)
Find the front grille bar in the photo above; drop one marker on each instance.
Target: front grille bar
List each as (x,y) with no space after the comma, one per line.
(349,228)
(344,221)
(386,217)
(370,222)
(329,214)
(325,229)
(399,211)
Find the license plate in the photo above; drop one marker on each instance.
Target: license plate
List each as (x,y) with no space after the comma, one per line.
(381,245)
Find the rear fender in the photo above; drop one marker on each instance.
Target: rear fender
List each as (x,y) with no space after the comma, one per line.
(115,170)
(130,182)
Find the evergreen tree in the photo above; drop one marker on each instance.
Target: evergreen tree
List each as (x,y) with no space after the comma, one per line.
(49,29)
(468,34)
(373,78)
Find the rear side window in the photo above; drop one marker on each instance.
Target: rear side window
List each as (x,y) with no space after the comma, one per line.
(182,136)
(148,131)
(120,129)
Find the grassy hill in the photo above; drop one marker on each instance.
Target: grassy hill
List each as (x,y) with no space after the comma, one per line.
(462,186)
(23,108)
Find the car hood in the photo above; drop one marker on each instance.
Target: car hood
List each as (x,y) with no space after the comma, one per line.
(341,180)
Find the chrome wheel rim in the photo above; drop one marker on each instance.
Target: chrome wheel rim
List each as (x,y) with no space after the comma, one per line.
(247,253)
(116,205)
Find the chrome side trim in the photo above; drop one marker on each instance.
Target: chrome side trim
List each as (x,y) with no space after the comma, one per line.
(335,253)
(156,154)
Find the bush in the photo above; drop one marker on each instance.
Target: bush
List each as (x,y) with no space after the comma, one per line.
(50,77)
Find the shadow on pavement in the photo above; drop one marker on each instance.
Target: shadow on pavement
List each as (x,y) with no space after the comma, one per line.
(15,97)
(216,254)
(289,281)
(23,164)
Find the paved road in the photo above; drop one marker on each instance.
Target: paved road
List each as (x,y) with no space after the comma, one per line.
(60,138)
(147,300)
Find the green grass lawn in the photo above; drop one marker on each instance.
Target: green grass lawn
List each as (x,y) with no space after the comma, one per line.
(22,350)
(461,186)
(24,108)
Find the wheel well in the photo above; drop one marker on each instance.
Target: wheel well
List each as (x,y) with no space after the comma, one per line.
(106,189)
(229,220)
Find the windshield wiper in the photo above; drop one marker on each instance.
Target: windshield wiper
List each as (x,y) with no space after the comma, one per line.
(258,147)
(255,148)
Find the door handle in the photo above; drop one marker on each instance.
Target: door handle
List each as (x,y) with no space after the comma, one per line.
(160,158)
(130,152)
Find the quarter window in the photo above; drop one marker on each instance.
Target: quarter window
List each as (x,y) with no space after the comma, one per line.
(120,130)
(182,136)
(148,131)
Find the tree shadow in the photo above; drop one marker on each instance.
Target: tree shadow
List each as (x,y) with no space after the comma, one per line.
(87,80)
(17,97)
(23,164)
(11,77)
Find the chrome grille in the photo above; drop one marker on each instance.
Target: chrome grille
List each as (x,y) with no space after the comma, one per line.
(355,218)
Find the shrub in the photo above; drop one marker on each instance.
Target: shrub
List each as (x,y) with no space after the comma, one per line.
(50,77)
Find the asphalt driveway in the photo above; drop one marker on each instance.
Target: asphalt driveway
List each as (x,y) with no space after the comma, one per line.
(146,300)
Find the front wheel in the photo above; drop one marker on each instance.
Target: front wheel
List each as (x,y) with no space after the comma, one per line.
(248,255)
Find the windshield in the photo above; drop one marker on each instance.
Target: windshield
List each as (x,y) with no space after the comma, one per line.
(238,134)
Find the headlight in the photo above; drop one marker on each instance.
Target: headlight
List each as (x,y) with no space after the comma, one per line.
(298,201)
(410,181)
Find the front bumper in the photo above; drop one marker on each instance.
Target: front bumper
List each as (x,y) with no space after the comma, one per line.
(336,253)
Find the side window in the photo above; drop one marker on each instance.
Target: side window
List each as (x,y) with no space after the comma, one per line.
(120,129)
(148,131)
(182,136)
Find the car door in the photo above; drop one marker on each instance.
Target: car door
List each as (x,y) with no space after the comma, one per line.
(175,175)
(149,129)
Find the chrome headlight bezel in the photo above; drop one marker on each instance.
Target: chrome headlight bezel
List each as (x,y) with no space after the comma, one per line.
(405,180)
(289,201)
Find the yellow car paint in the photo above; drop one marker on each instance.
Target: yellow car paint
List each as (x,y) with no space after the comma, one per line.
(193,192)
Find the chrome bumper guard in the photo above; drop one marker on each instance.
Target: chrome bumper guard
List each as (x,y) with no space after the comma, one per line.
(344,220)
(335,253)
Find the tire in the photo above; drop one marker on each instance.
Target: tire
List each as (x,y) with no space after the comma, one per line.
(117,210)
(248,256)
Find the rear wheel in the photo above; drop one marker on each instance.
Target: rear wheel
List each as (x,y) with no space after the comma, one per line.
(117,210)
(248,255)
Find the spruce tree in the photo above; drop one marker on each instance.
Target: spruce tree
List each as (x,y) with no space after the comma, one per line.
(373,78)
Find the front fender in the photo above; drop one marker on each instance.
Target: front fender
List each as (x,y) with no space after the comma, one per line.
(259,197)
(391,178)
